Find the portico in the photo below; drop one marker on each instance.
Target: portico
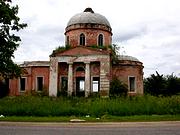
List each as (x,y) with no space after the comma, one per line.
(84,66)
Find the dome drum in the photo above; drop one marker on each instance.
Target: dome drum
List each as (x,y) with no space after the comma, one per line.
(88,26)
(91,37)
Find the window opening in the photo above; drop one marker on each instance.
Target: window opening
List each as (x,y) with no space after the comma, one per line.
(67,40)
(100,40)
(95,84)
(81,85)
(22,84)
(64,85)
(39,83)
(82,39)
(132,84)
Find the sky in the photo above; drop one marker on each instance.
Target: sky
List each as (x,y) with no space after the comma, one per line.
(146,29)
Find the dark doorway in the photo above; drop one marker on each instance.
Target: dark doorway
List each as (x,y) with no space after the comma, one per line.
(80,86)
(40,83)
(22,84)
(64,86)
(4,88)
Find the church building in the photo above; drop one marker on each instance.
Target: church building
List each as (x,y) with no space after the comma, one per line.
(85,66)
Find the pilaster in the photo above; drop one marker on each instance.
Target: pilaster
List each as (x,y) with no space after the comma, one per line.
(53,77)
(104,77)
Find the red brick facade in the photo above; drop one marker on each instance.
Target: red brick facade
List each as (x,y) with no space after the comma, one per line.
(30,75)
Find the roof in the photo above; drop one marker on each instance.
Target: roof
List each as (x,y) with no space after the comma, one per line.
(88,16)
(82,51)
(35,64)
(126,57)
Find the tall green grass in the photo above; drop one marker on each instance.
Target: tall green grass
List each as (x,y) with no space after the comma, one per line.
(97,107)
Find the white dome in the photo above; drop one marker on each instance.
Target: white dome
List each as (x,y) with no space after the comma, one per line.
(88,17)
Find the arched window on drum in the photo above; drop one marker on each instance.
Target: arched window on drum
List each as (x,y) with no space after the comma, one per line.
(100,40)
(82,39)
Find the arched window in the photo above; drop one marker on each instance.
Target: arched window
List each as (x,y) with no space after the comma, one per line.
(82,39)
(80,69)
(100,40)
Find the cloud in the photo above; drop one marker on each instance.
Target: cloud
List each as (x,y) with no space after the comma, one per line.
(146,29)
(129,33)
(38,43)
(156,45)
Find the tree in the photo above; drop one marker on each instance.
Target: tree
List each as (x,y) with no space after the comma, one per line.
(155,84)
(162,85)
(9,24)
(173,85)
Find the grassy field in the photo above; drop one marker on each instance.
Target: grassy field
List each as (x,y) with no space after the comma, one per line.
(144,107)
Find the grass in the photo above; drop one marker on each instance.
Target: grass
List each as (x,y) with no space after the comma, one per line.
(109,108)
(136,118)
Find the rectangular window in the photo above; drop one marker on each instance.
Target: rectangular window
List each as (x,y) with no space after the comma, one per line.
(22,84)
(132,84)
(39,83)
(95,84)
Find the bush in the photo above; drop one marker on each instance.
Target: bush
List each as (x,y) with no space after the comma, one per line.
(60,49)
(117,88)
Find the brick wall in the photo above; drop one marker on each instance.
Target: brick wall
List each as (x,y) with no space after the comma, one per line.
(130,69)
(31,74)
(91,36)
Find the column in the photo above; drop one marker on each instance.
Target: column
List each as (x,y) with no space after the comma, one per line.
(70,79)
(53,77)
(87,79)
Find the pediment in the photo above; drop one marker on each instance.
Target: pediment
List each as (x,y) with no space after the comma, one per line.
(81,50)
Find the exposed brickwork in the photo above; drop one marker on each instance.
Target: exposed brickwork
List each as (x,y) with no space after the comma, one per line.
(95,69)
(104,77)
